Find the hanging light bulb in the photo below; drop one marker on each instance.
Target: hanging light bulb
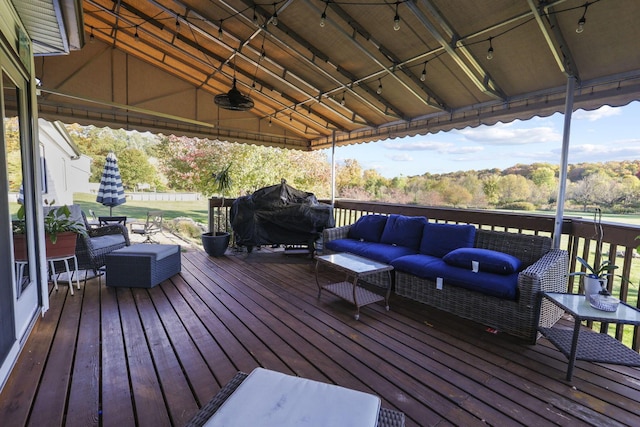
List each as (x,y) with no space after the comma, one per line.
(323,17)
(396,19)
(379,91)
(136,37)
(423,76)
(92,38)
(274,18)
(220,34)
(177,23)
(255,17)
(270,121)
(343,101)
(490,50)
(583,19)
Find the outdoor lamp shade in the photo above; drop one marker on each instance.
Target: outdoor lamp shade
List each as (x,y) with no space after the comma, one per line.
(111,191)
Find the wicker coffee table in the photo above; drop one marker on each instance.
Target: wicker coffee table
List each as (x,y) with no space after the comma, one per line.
(355,267)
(588,345)
(386,417)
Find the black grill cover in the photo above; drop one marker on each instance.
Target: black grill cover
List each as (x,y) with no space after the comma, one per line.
(279,214)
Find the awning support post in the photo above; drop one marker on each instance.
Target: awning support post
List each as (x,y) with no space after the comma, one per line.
(333,167)
(564,162)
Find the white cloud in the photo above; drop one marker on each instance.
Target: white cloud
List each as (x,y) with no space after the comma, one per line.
(417,146)
(617,150)
(509,134)
(400,157)
(600,113)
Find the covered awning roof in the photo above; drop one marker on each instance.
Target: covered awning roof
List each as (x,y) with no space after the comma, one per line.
(156,65)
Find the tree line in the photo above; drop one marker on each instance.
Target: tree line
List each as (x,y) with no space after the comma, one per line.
(171,163)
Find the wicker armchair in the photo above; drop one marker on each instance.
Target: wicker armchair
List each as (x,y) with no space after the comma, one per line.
(91,250)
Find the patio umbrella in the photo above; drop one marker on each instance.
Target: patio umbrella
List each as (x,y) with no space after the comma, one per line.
(111,192)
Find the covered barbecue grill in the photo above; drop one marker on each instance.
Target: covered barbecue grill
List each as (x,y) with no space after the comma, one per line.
(279,214)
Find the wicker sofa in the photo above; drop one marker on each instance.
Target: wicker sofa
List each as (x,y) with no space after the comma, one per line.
(505,300)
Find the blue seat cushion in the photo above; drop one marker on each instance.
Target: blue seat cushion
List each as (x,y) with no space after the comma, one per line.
(440,239)
(488,260)
(368,228)
(376,251)
(429,267)
(401,230)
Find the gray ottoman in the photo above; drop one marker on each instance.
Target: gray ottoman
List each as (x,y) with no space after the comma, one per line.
(142,265)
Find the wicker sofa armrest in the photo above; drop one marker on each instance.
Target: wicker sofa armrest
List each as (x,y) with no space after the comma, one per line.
(548,274)
(329,234)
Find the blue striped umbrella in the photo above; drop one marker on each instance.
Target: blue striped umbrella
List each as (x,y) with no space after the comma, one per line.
(111,192)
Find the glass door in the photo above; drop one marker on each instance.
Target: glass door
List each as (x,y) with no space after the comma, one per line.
(18,288)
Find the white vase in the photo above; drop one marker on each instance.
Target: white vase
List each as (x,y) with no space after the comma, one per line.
(593,285)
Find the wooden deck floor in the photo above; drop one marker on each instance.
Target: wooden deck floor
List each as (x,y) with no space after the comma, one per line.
(124,357)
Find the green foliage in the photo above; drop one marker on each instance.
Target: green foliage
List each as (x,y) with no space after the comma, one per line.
(57,220)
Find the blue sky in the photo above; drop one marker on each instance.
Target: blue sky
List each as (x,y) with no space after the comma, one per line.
(596,136)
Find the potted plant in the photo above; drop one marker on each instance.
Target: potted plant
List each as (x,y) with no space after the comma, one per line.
(215,243)
(60,231)
(595,277)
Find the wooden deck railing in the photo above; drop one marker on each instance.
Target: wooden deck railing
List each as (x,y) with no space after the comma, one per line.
(578,238)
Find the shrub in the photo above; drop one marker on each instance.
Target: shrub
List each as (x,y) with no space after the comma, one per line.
(519,206)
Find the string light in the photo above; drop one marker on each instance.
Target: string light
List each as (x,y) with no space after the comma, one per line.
(255,16)
(177,23)
(270,121)
(136,37)
(582,20)
(323,17)
(274,18)
(423,76)
(379,91)
(490,50)
(220,34)
(343,101)
(396,19)
(91,36)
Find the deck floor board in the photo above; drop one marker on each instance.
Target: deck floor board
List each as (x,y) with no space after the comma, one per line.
(136,357)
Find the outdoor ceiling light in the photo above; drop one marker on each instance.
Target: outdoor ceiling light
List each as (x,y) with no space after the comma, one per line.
(92,38)
(255,16)
(423,76)
(136,37)
(274,17)
(490,50)
(220,34)
(379,91)
(582,20)
(396,19)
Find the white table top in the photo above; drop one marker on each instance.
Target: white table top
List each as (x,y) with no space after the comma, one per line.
(354,263)
(272,399)
(577,305)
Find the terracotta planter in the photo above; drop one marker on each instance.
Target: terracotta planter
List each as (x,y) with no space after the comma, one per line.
(64,246)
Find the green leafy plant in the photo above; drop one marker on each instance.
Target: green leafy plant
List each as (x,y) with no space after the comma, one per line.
(222,184)
(57,220)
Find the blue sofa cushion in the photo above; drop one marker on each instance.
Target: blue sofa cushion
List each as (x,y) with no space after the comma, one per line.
(380,252)
(429,267)
(416,264)
(368,228)
(489,261)
(440,239)
(404,231)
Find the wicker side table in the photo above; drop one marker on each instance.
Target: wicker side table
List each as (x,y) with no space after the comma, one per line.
(386,417)
(588,345)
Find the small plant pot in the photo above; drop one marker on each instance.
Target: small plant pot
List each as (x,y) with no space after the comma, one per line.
(215,244)
(593,285)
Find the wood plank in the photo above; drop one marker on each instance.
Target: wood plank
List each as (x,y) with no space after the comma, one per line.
(50,404)
(117,402)
(21,387)
(154,356)
(84,394)
(150,407)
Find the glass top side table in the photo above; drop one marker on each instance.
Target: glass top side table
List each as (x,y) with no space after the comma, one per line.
(586,344)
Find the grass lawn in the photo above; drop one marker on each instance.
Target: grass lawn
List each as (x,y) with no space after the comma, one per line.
(134,209)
